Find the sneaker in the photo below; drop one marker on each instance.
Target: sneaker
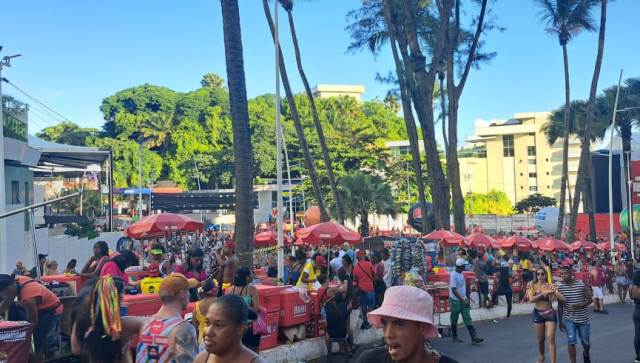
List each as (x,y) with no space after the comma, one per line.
(457,340)
(637,360)
(586,359)
(477,340)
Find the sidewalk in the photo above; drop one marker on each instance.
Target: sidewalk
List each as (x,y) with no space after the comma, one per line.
(315,348)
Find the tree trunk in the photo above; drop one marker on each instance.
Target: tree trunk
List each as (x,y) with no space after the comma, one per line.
(316,122)
(241,132)
(302,139)
(364,224)
(583,181)
(565,143)
(421,84)
(409,121)
(443,109)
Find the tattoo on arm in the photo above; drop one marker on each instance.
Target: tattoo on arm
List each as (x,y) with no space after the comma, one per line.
(185,344)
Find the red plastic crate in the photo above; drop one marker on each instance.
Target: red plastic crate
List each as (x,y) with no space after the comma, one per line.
(142,304)
(270,339)
(315,302)
(269,297)
(293,311)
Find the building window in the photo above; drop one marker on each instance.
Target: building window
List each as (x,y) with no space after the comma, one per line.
(532,161)
(507,145)
(547,159)
(547,173)
(531,150)
(521,174)
(521,187)
(533,175)
(15,192)
(533,188)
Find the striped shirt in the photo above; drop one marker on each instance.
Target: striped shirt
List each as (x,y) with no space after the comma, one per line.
(574,294)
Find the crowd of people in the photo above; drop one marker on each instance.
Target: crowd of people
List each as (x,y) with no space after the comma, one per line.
(207,271)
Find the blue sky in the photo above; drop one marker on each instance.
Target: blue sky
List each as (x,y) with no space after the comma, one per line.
(75,53)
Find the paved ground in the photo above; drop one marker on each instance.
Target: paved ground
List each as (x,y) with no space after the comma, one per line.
(513,340)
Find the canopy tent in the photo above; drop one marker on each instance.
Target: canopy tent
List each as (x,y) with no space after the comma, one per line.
(552,244)
(447,238)
(478,239)
(586,245)
(269,238)
(328,232)
(519,242)
(158,224)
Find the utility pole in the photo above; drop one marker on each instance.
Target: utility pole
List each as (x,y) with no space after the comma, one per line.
(279,205)
(613,130)
(4,266)
(286,157)
(198,179)
(139,181)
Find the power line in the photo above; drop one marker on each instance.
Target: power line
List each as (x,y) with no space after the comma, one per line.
(36,100)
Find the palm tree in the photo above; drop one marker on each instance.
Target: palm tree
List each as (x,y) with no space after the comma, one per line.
(364,195)
(302,139)
(241,131)
(288,6)
(565,19)
(583,181)
(373,26)
(155,132)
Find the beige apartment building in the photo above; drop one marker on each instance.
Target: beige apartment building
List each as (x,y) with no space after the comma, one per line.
(514,156)
(335,90)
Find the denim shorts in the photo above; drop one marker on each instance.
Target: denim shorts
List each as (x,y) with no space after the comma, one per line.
(367,298)
(572,329)
(539,319)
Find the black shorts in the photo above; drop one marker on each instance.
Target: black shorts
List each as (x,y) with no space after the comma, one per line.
(484,287)
(47,325)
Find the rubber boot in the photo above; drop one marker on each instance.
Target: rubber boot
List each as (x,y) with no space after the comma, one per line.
(454,334)
(475,339)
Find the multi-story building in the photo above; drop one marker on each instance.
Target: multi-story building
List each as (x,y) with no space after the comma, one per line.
(335,90)
(514,156)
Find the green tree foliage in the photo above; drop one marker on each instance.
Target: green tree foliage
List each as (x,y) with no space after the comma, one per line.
(534,203)
(494,202)
(179,131)
(67,132)
(365,194)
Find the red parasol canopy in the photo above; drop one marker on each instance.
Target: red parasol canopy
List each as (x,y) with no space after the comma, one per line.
(587,245)
(269,238)
(519,242)
(447,238)
(552,244)
(327,232)
(478,239)
(605,246)
(157,224)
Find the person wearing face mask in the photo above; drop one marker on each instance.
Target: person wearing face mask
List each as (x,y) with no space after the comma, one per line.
(225,326)
(406,318)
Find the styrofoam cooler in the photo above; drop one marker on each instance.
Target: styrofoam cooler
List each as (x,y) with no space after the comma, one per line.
(270,339)
(293,310)
(142,304)
(269,297)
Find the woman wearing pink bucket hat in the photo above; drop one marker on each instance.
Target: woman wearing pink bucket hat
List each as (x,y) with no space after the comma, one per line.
(406,317)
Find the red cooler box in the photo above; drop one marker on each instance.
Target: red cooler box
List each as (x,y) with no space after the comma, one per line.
(15,341)
(142,304)
(73,280)
(269,297)
(293,311)
(270,340)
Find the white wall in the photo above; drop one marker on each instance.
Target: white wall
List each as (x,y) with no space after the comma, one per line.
(60,248)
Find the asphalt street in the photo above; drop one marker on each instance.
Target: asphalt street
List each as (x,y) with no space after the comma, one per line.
(513,340)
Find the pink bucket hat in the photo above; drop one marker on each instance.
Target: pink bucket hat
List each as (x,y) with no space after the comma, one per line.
(406,303)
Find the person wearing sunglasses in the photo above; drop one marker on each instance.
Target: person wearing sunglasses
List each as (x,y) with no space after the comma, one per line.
(541,293)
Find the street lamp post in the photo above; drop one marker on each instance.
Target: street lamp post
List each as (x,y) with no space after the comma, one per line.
(4,266)
(613,128)
(279,205)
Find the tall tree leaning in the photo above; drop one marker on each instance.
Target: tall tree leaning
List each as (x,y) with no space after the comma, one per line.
(288,6)
(420,82)
(565,19)
(302,139)
(241,132)
(454,91)
(583,181)
(409,121)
